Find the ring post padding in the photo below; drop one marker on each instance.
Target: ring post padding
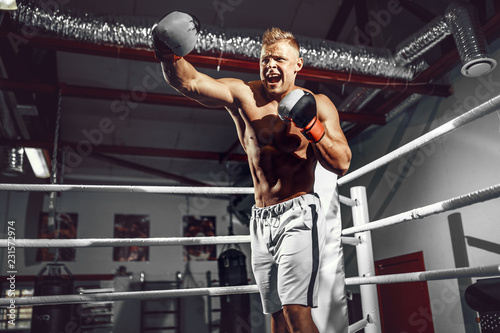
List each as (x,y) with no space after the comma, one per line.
(364,255)
(475,113)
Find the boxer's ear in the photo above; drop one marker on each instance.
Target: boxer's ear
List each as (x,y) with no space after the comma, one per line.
(299,64)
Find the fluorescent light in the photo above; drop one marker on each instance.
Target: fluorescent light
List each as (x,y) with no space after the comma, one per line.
(8,5)
(38,162)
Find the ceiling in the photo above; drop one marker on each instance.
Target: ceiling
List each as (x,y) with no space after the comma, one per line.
(112,132)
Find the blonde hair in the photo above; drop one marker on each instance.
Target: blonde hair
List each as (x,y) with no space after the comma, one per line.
(274,35)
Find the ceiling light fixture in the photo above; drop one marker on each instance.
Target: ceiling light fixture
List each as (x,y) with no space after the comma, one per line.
(8,5)
(38,161)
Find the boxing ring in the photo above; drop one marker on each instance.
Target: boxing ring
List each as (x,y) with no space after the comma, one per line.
(359,235)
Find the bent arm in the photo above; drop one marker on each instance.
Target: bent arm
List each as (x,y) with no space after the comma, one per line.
(332,151)
(212,93)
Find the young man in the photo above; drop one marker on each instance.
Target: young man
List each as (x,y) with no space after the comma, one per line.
(285,130)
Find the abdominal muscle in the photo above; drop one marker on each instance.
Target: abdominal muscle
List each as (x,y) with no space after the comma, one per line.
(279,176)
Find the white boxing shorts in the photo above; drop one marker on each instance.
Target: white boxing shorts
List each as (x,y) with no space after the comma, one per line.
(287,240)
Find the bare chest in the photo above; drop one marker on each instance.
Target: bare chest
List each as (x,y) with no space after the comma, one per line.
(264,131)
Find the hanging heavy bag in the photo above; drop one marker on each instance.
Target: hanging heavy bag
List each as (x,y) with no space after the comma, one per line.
(235,309)
(52,318)
(484,297)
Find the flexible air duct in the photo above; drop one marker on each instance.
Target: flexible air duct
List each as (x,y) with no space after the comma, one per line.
(62,22)
(469,37)
(407,52)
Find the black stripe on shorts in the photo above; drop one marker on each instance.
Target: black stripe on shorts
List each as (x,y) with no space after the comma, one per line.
(315,254)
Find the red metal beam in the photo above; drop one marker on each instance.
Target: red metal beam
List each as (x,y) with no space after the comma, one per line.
(239,65)
(150,98)
(114,94)
(164,152)
(133,150)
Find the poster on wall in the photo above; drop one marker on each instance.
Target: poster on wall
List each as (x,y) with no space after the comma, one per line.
(131,226)
(67,230)
(199,226)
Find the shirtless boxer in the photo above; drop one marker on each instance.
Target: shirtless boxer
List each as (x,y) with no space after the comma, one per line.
(285,130)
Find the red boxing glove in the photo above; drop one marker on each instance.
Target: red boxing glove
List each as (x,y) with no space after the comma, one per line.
(299,107)
(174,36)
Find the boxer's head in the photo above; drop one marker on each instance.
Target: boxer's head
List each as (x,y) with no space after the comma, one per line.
(279,61)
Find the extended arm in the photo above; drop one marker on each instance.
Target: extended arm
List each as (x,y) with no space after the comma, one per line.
(174,36)
(210,92)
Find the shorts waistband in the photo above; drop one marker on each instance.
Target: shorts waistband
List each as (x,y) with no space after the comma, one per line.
(281,207)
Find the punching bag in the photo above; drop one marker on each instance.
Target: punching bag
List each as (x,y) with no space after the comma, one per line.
(235,309)
(52,318)
(484,297)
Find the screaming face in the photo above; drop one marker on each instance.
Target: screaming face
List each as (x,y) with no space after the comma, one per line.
(279,64)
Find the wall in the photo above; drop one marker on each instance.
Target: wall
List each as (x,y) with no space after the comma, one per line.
(465,161)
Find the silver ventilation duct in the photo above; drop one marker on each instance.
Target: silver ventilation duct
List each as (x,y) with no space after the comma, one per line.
(36,18)
(469,37)
(135,32)
(408,51)
(423,40)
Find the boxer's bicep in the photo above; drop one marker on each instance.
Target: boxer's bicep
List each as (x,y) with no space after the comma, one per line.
(208,91)
(216,93)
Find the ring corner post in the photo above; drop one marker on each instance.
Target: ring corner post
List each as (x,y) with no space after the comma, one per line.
(366,267)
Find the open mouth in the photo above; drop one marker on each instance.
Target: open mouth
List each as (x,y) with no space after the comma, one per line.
(273,78)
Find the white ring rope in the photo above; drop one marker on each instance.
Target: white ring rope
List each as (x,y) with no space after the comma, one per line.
(130,295)
(357,326)
(439,207)
(354,241)
(127,189)
(475,113)
(442,274)
(249,289)
(204,190)
(156,241)
(347,201)
(103,242)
